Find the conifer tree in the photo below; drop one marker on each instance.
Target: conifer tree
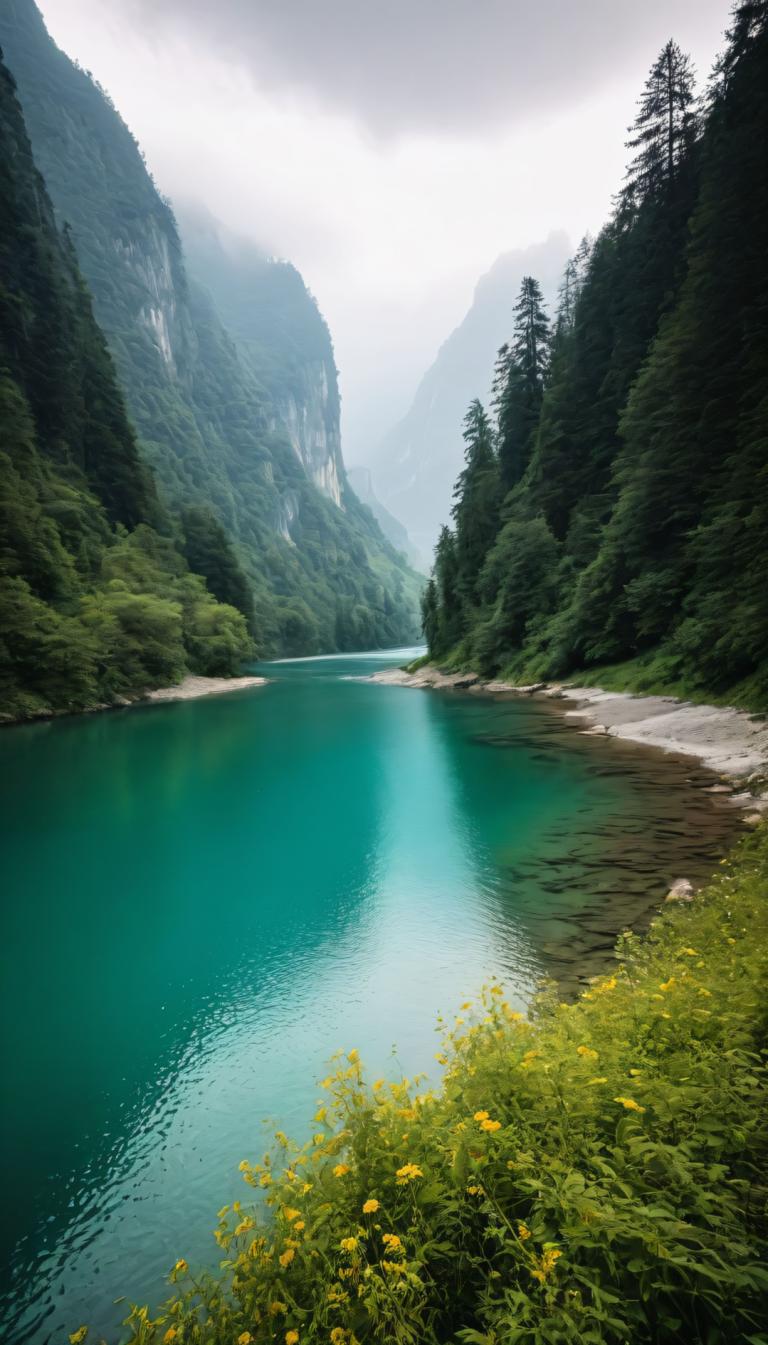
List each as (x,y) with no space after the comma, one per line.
(664,130)
(476,511)
(518,386)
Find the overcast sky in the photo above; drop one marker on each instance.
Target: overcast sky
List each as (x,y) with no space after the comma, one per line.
(390,148)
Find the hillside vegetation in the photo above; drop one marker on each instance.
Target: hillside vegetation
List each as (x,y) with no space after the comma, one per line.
(614,505)
(96,598)
(207,410)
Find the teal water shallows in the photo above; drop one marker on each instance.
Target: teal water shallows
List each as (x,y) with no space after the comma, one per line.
(203,900)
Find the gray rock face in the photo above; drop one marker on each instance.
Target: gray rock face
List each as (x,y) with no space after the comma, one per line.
(312,426)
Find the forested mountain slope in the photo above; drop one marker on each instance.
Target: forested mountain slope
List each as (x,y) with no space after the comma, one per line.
(417,461)
(616,506)
(282,337)
(321,573)
(96,600)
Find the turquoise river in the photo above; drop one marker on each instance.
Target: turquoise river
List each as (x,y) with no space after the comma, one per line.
(203,900)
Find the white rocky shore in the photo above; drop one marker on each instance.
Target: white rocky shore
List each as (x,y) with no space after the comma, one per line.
(731,742)
(193,687)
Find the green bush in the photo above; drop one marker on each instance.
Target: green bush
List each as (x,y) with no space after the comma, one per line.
(593,1172)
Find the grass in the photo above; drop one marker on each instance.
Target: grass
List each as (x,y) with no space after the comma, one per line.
(594,1172)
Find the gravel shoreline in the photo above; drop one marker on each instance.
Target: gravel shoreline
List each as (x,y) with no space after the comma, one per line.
(193,687)
(731,742)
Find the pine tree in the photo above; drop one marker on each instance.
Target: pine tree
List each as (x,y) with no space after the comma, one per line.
(476,511)
(518,388)
(664,130)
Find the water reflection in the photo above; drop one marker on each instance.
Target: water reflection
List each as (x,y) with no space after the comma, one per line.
(207,899)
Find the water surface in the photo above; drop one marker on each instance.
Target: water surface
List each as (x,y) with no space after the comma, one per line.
(203,900)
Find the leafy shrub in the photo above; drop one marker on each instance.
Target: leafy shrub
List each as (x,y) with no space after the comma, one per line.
(593,1172)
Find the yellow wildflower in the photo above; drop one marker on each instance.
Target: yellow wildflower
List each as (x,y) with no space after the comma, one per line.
(707,993)
(392,1242)
(341,1170)
(276,1307)
(629,1103)
(353,1056)
(473,1190)
(291,1338)
(667,985)
(286,1257)
(321,1114)
(523,1232)
(244,1166)
(80,1334)
(348,1244)
(408,1173)
(496,990)
(370,1206)
(601,1078)
(546,1264)
(378,1083)
(326,1083)
(528,1059)
(635,1073)
(244,1226)
(393,1267)
(265,1179)
(290,1214)
(688,952)
(170,1335)
(181,1268)
(244,1338)
(299,1226)
(441,1058)
(480,1116)
(490,1126)
(586,1052)
(467,1004)
(338,1335)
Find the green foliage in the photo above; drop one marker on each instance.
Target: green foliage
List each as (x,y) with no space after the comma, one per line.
(591,1173)
(94,602)
(209,411)
(637,521)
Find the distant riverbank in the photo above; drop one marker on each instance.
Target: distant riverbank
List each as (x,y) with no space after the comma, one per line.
(193,687)
(731,742)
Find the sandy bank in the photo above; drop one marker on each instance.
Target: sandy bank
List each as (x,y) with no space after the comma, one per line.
(731,742)
(193,687)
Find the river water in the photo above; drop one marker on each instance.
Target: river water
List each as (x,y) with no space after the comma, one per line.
(203,900)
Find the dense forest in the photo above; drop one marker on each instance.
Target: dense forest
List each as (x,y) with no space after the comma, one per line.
(613,504)
(209,413)
(97,599)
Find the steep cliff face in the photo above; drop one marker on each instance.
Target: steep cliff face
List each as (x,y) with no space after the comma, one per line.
(417,463)
(281,335)
(246,426)
(311,423)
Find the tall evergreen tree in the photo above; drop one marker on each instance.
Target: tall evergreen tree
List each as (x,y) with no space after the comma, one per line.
(518,387)
(664,130)
(476,510)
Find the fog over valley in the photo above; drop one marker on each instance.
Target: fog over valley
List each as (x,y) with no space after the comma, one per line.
(392,154)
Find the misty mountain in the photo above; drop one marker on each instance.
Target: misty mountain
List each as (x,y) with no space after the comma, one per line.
(416,464)
(233,431)
(361,481)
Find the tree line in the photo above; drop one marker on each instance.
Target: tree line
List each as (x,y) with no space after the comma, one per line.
(613,504)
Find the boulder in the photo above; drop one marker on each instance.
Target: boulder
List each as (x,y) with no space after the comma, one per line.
(681,890)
